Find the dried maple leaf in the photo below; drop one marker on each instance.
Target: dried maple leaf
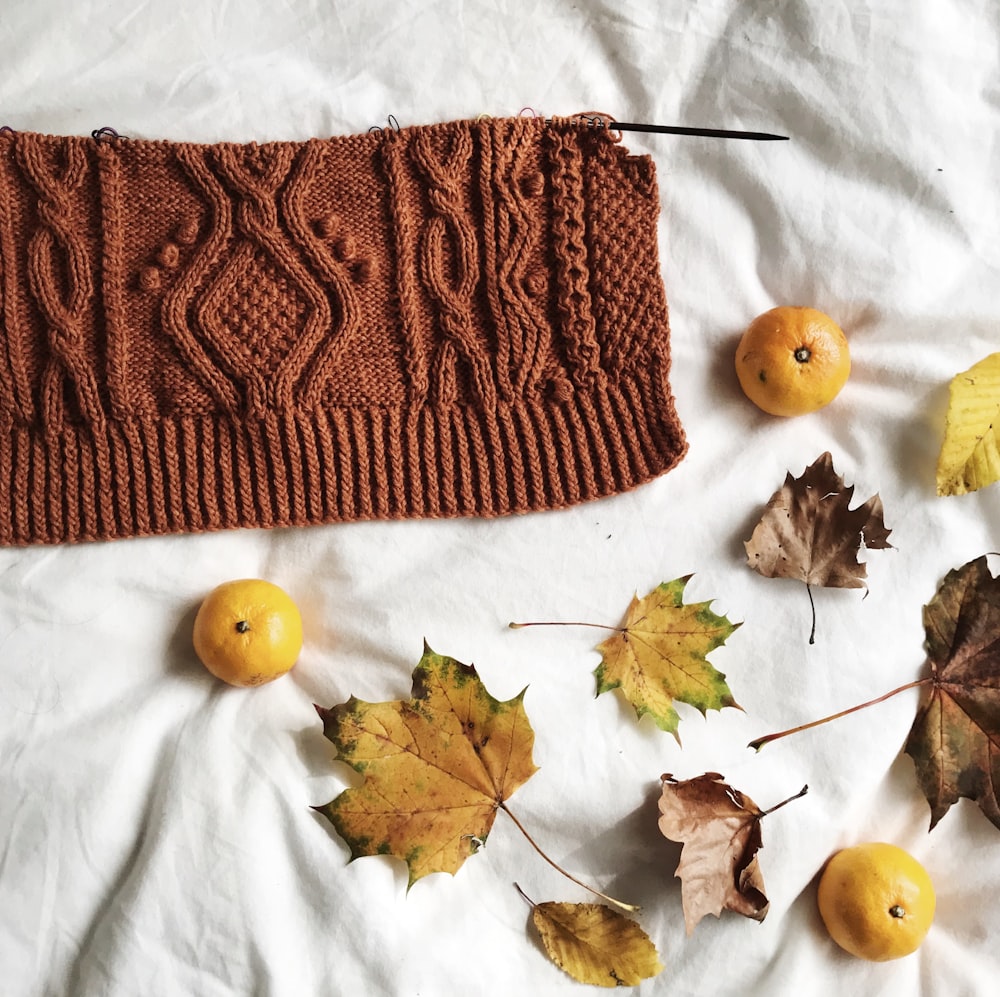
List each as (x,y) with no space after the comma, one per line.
(955,738)
(970,453)
(659,656)
(436,767)
(809,532)
(595,944)
(720,830)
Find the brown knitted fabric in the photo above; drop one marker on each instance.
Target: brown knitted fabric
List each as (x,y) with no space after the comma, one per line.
(458,319)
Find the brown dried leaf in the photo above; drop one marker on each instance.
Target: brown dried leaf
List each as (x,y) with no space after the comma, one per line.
(809,532)
(955,737)
(720,829)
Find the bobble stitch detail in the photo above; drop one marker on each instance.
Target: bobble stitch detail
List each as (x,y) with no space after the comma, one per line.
(361,270)
(344,248)
(534,284)
(187,231)
(149,279)
(327,226)
(169,255)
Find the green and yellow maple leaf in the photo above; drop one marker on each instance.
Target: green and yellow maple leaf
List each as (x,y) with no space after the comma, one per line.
(436,767)
(659,656)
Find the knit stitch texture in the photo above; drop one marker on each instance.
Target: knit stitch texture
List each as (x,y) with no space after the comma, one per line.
(450,320)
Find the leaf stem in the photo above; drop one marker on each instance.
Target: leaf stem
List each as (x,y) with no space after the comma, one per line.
(802,792)
(560,623)
(534,844)
(524,896)
(761,741)
(812,606)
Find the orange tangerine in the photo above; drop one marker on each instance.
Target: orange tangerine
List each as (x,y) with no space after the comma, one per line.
(876,900)
(792,360)
(248,632)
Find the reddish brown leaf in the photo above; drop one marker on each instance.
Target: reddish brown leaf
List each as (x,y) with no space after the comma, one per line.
(720,829)
(955,738)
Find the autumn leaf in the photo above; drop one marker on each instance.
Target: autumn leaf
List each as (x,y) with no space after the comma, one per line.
(809,532)
(719,828)
(970,453)
(595,944)
(659,655)
(436,767)
(955,738)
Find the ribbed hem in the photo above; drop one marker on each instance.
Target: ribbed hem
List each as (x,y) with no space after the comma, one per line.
(207,472)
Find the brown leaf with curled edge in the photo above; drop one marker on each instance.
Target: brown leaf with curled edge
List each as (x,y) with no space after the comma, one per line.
(955,737)
(809,532)
(720,830)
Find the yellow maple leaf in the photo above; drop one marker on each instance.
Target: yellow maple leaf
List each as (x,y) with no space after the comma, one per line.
(970,454)
(436,767)
(659,656)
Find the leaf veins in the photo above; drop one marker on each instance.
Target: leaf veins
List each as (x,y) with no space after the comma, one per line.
(660,655)
(955,737)
(720,829)
(595,944)
(970,453)
(436,767)
(809,532)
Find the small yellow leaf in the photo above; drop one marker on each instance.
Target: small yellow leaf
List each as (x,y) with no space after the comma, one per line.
(660,655)
(595,944)
(970,454)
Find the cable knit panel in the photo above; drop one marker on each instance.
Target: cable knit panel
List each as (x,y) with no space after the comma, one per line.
(449,320)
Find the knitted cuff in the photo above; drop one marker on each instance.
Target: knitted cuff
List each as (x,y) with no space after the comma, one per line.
(449,320)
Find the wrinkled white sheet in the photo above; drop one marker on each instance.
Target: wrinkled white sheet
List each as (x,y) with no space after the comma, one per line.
(156,836)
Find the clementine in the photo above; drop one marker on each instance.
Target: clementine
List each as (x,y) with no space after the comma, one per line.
(792,360)
(876,900)
(248,632)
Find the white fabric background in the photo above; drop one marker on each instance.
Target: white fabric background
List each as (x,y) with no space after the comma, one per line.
(155,830)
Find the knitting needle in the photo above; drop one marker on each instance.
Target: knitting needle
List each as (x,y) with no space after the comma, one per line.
(631,126)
